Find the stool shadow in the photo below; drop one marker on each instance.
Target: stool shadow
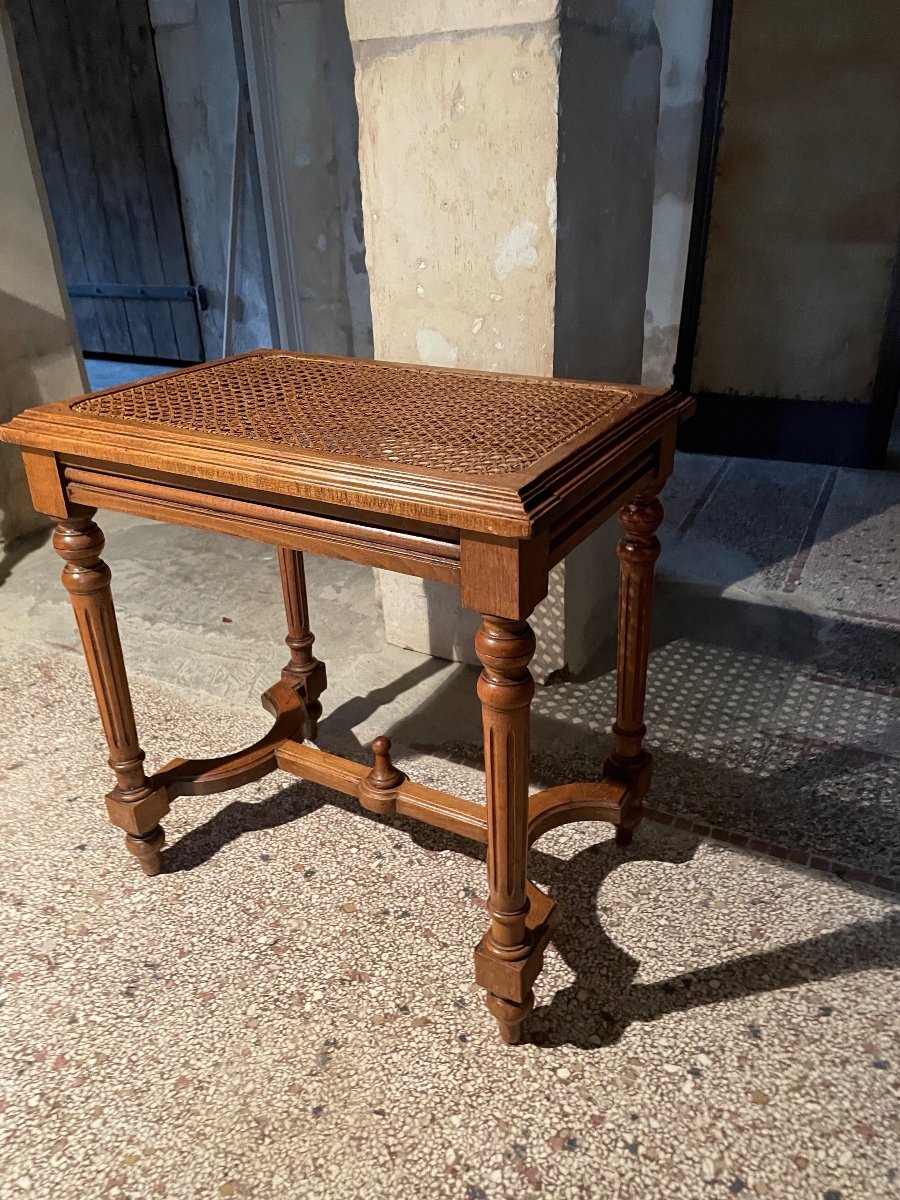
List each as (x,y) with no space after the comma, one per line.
(604,999)
(830,822)
(340,721)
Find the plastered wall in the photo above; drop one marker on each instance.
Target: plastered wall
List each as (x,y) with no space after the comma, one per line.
(804,220)
(39,356)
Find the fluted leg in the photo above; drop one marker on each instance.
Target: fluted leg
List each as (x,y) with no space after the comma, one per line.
(303,667)
(638,551)
(132,804)
(505,689)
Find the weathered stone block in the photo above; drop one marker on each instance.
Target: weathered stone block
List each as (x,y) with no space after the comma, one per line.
(506,158)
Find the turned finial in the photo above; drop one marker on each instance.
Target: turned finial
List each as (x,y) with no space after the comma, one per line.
(384,774)
(378,791)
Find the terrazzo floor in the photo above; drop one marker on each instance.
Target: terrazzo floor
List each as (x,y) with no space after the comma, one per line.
(288,1011)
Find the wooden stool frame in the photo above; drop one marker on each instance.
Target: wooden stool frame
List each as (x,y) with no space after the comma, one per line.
(470,534)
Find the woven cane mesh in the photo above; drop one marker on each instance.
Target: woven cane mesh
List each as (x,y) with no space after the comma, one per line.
(471,424)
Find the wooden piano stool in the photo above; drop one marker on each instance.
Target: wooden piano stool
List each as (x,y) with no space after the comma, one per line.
(480,480)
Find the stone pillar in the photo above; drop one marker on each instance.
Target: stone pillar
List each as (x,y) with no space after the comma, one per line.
(506,157)
(40,359)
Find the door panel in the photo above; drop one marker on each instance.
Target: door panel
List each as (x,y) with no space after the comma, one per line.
(95,102)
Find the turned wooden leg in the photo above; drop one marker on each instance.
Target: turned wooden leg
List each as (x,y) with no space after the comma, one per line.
(638,551)
(133,804)
(303,668)
(505,689)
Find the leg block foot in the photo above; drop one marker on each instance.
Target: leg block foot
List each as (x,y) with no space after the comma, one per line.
(624,835)
(147,849)
(635,774)
(139,815)
(510,1016)
(509,983)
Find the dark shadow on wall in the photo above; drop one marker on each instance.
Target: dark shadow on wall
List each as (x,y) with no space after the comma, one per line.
(608,117)
(28,331)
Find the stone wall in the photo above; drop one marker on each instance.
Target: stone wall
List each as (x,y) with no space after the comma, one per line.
(506,155)
(458,145)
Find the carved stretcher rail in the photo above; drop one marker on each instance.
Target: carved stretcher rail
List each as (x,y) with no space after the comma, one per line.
(385,790)
(599,800)
(206,777)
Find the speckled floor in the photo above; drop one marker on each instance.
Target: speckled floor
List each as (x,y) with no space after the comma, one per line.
(289,1011)
(779,722)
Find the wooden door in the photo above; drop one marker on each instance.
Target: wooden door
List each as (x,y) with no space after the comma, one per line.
(95,102)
